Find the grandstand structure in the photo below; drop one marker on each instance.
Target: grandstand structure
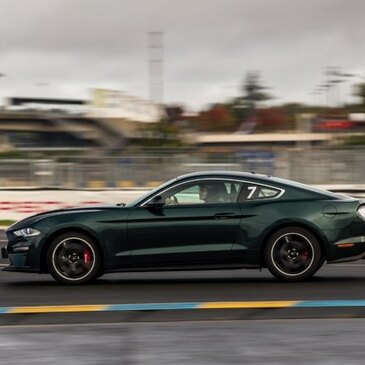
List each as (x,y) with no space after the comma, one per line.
(235,142)
(45,124)
(111,121)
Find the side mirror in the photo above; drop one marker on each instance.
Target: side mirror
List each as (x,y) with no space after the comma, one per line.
(156,202)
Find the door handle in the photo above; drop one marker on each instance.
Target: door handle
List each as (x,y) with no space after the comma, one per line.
(224,215)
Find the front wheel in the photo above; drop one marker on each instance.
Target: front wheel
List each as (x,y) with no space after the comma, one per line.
(293,254)
(73,258)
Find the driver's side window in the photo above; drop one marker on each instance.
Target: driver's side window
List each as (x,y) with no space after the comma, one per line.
(182,195)
(203,192)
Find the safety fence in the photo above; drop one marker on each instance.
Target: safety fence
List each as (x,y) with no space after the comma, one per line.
(307,166)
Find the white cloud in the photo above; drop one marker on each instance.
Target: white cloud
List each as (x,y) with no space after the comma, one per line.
(73,45)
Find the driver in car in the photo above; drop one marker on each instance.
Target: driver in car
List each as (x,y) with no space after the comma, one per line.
(213,193)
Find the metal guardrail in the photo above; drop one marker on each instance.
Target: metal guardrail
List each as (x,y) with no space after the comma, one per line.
(311,167)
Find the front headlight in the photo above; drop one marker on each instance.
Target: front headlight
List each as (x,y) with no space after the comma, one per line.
(361,211)
(26,232)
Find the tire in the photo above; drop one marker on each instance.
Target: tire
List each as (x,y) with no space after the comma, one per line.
(293,254)
(73,259)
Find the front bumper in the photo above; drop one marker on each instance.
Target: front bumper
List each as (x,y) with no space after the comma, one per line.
(19,260)
(16,269)
(23,253)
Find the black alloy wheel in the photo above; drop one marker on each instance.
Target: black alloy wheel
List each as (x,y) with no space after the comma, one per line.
(73,258)
(293,254)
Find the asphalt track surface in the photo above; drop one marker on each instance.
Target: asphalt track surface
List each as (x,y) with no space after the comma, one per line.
(285,335)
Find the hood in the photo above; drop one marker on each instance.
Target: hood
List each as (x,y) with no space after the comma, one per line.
(26,222)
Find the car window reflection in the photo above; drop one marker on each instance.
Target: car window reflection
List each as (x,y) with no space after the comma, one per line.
(203,192)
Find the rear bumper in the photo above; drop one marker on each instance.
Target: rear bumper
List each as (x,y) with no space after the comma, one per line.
(350,249)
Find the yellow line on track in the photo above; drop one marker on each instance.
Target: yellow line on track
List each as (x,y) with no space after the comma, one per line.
(57,309)
(259,304)
(101,307)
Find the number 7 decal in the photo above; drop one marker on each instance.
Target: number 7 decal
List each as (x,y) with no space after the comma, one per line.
(252,191)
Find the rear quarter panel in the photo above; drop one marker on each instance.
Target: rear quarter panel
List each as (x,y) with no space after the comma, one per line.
(330,220)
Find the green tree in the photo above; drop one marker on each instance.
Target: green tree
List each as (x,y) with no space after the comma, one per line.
(245,107)
(253,91)
(217,118)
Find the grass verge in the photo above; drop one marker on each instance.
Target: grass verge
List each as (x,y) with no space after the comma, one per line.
(6,222)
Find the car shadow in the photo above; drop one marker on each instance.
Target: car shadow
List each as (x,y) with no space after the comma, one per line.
(163,280)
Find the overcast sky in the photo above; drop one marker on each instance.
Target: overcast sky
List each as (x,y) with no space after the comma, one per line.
(64,48)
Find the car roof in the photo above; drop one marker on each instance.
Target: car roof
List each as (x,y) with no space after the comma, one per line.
(224,174)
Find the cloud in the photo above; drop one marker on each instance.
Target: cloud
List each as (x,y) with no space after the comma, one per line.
(74,45)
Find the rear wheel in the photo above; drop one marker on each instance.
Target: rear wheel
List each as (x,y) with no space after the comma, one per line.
(293,254)
(73,258)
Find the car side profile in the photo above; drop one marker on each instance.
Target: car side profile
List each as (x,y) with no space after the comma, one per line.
(207,220)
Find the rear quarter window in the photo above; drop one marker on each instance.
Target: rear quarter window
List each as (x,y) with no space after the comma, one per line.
(256,192)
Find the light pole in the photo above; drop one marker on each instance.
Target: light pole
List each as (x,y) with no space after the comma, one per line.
(2,75)
(156,65)
(334,78)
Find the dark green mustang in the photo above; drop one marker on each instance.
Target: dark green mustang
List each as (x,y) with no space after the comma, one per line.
(206,220)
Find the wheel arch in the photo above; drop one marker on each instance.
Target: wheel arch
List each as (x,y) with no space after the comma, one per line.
(300,224)
(55,234)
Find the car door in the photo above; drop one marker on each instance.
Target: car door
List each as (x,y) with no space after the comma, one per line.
(186,230)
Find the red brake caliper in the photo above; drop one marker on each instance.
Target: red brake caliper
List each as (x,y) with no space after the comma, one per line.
(87,256)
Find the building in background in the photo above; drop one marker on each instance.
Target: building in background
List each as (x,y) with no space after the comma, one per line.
(127,115)
(110,120)
(117,105)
